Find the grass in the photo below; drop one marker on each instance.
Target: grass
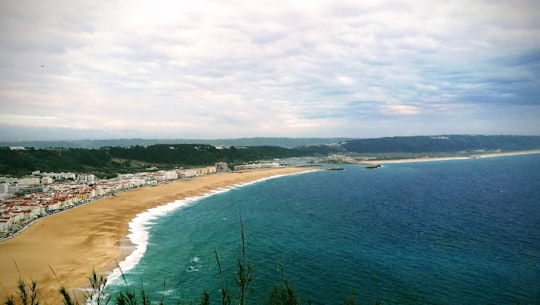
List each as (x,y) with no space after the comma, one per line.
(281,294)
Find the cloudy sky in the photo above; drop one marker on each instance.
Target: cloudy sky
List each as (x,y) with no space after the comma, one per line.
(228,69)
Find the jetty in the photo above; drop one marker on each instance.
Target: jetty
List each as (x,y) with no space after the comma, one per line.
(373,166)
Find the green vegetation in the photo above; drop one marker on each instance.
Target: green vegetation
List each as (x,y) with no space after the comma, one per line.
(108,161)
(284,294)
(27,294)
(449,144)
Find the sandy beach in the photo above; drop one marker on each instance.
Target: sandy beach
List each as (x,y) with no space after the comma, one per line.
(430,159)
(89,237)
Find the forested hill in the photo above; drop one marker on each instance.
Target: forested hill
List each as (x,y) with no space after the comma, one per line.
(108,161)
(449,144)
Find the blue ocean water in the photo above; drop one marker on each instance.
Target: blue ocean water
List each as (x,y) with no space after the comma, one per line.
(446,232)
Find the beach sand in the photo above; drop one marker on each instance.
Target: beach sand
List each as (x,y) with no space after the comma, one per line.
(75,242)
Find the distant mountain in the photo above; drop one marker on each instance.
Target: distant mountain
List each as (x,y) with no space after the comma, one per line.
(262,141)
(410,144)
(130,155)
(444,143)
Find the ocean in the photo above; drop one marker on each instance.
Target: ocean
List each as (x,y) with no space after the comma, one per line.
(445,232)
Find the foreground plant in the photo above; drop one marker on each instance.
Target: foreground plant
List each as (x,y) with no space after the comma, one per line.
(98,295)
(244,273)
(225,293)
(95,295)
(27,294)
(285,294)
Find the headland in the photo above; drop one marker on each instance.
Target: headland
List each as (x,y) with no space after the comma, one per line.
(376,163)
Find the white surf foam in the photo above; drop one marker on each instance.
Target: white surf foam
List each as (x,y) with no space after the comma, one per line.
(139,227)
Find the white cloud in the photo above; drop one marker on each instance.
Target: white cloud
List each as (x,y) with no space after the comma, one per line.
(345,80)
(249,68)
(400,110)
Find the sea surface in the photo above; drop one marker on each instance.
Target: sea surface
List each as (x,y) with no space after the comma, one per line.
(445,232)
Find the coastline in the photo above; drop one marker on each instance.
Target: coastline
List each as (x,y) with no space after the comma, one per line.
(94,236)
(137,239)
(432,159)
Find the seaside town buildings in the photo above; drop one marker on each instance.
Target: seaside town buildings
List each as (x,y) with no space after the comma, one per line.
(24,200)
(254,166)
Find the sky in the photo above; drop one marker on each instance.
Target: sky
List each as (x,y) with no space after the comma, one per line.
(232,69)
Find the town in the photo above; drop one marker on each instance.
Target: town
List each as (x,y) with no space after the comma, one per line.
(27,199)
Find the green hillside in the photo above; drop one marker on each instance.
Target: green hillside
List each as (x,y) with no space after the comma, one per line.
(448,143)
(108,161)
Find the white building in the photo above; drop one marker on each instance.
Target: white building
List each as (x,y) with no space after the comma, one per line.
(29,181)
(86,178)
(60,176)
(187,173)
(4,187)
(5,225)
(170,175)
(46,180)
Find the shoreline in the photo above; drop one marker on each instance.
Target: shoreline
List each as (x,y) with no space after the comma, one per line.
(95,235)
(33,222)
(450,158)
(137,240)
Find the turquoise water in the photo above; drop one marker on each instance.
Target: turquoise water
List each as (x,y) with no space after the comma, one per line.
(448,232)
